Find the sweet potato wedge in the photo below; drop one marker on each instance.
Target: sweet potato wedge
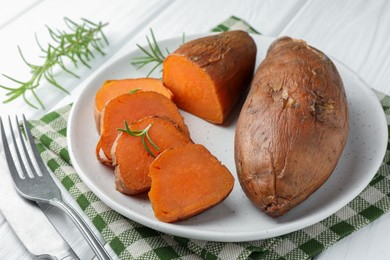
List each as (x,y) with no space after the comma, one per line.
(131,158)
(208,75)
(131,108)
(114,88)
(292,128)
(187,180)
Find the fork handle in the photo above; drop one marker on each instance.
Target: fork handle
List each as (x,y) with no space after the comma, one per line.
(89,236)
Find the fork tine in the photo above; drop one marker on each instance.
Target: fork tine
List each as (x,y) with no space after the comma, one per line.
(7,151)
(37,156)
(16,147)
(22,140)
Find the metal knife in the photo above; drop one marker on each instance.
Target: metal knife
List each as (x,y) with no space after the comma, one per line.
(30,224)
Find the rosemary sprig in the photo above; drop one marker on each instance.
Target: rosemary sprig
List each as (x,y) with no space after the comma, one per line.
(142,134)
(76,46)
(153,54)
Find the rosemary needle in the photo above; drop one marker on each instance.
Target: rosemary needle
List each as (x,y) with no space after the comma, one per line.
(152,54)
(134,90)
(76,46)
(141,133)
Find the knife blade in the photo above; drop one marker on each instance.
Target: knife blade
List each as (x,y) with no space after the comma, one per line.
(29,223)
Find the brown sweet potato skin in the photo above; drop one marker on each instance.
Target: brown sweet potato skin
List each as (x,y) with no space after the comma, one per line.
(208,75)
(292,128)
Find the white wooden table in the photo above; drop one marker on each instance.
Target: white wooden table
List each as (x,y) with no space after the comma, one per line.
(355,32)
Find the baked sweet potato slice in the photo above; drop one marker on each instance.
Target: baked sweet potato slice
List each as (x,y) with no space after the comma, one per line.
(131,108)
(292,128)
(132,159)
(187,180)
(114,88)
(208,75)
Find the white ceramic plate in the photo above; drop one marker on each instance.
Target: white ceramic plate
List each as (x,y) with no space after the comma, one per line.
(235,219)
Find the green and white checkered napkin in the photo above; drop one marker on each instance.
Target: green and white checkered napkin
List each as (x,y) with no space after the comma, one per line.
(131,240)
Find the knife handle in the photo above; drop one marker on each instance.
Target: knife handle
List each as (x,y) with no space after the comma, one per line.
(83,227)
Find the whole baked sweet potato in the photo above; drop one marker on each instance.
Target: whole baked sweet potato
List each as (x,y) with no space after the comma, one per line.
(208,75)
(292,128)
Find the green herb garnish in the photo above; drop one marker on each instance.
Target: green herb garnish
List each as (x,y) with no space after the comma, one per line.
(76,46)
(153,54)
(134,91)
(142,134)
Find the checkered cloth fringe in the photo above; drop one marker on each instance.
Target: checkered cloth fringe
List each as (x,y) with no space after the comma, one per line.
(130,240)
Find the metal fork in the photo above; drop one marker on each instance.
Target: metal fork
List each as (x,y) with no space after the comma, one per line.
(36,184)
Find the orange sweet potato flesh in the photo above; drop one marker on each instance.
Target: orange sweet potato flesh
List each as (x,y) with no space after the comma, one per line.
(132,107)
(114,88)
(187,180)
(208,75)
(132,160)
